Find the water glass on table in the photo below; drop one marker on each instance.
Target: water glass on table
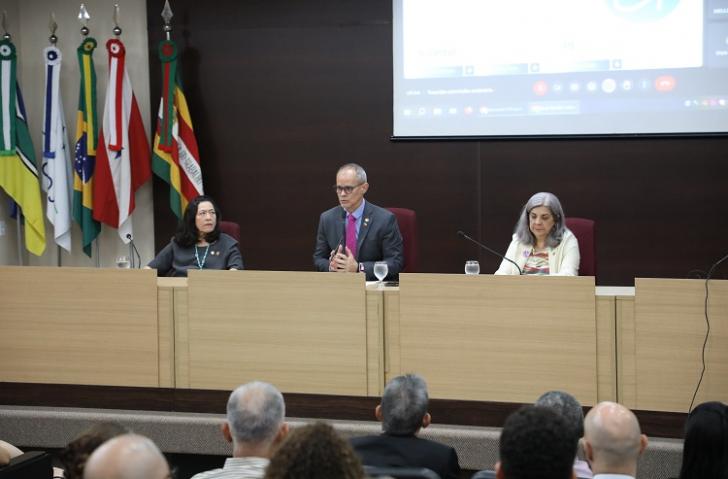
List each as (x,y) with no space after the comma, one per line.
(472,267)
(122,262)
(380,271)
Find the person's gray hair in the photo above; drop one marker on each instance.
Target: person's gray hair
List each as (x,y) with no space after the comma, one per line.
(255,412)
(361,175)
(404,404)
(549,200)
(566,405)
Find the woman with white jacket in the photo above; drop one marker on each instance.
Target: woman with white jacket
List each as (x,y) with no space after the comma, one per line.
(541,243)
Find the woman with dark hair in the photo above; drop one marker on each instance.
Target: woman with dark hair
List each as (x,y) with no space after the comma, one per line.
(314,451)
(541,243)
(705,451)
(198,243)
(76,453)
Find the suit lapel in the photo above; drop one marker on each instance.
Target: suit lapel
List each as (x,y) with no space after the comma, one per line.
(366,224)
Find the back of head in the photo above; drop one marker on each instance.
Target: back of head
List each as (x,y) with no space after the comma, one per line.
(613,434)
(255,412)
(536,443)
(128,456)
(76,453)
(404,404)
(566,405)
(705,452)
(314,451)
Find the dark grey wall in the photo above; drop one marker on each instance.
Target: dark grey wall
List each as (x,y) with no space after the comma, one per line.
(283,91)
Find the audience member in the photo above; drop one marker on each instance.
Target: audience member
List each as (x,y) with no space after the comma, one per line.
(613,441)
(128,456)
(705,452)
(403,412)
(76,453)
(570,408)
(255,425)
(536,443)
(314,451)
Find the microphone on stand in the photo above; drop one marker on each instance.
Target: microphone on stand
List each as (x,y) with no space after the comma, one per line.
(460,233)
(134,250)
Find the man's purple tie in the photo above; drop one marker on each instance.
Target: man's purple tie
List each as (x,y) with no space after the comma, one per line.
(351,234)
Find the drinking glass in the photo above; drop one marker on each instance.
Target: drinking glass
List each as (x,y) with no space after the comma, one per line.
(380,271)
(122,262)
(472,267)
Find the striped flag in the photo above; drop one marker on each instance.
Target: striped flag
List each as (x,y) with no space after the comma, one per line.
(84,162)
(123,154)
(55,167)
(176,159)
(18,171)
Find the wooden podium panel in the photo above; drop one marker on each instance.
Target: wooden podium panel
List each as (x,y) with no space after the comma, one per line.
(304,332)
(664,357)
(499,338)
(79,326)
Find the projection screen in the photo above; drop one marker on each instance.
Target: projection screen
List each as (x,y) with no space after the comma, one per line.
(560,67)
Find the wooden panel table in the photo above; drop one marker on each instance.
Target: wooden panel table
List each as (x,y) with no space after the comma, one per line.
(79,326)
(662,344)
(497,338)
(304,332)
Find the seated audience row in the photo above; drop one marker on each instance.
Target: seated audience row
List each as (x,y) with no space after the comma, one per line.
(538,441)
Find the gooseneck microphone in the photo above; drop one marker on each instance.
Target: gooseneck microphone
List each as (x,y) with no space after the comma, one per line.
(460,233)
(136,251)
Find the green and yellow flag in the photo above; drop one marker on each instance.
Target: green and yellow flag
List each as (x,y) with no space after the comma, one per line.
(18,170)
(84,162)
(176,159)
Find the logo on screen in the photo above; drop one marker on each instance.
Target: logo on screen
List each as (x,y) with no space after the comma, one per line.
(643,10)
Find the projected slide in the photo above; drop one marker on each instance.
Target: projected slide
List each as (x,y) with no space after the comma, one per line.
(560,67)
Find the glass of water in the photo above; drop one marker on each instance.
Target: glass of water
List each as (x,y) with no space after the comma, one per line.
(122,262)
(472,267)
(380,271)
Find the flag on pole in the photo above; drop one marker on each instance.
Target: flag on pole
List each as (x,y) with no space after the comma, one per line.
(55,167)
(176,159)
(84,162)
(123,153)
(18,171)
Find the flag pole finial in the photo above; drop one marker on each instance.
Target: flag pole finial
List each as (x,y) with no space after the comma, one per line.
(53,26)
(167,17)
(117,28)
(84,17)
(6,35)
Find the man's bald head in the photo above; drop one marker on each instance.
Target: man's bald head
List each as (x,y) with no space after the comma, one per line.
(613,440)
(128,456)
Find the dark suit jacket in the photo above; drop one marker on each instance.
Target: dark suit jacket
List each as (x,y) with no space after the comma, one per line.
(379,239)
(407,451)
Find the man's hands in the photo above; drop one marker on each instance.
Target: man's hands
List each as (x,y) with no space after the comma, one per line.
(342,261)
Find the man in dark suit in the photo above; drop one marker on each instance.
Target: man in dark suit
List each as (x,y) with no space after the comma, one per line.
(354,235)
(403,412)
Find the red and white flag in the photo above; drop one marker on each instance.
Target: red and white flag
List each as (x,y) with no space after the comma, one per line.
(123,161)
